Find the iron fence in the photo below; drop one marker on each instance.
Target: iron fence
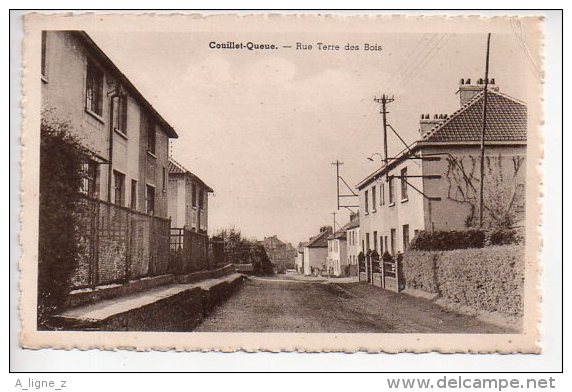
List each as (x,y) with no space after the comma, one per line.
(118,244)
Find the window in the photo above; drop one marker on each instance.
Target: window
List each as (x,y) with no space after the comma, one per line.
(150,200)
(151,137)
(405,237)
(391,191)
(119,112)
(375,241)
(133,194)
(201,199)
(164,179)
(194,195)
(119,181)
(415,232)
(90,183)
(385,243)
(373,198)
(366,202)
(43,64)
(404,183)
(393,239)
(94,90)
(366,242)
(382,194)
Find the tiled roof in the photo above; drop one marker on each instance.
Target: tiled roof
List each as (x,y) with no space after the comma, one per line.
(352,224)
(176,168)
(506,121)
(319,241)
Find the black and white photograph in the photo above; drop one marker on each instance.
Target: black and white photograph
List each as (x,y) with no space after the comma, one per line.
(321,183)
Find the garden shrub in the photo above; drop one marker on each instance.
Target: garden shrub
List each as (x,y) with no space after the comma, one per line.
(490,278)
(448,240)
(502,237)
(61,161)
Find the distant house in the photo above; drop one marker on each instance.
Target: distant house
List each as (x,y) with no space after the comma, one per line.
(353,244)
(188,199)
(337,253)
(128,138)
(316,252)
(438,190)
(281,254)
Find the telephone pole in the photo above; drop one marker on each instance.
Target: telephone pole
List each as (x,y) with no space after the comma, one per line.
(337,163)
(334,227)
(484,127)
(384,100)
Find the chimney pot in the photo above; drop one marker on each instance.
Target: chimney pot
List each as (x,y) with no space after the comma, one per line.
(468,81)
(462,81)
(493,81)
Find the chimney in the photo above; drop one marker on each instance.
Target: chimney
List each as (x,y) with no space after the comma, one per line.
(427,123)
(468,90)
(325,229)
(354,215)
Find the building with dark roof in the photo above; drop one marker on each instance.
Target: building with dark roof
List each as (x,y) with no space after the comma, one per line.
(316,252)
(353,244)
(434,183)
(188,199)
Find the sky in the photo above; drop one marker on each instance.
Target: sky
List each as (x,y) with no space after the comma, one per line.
(262,128)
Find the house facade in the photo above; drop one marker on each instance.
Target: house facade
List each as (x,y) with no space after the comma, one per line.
(188,199)
(128,138)
(316,252)
(434,184)
(353,243)
(300,258)
(337,253)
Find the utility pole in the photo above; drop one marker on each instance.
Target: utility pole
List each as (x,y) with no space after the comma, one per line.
(384,100)
(484,125)
(337,163)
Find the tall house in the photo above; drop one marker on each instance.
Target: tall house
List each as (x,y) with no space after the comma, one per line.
(81,86)
(439,188)
(188,199)
(353,244)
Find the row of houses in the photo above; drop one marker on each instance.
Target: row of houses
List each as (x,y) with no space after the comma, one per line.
(131,168)
(433,184)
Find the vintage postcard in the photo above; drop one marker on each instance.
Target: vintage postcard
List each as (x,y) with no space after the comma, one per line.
(282,182)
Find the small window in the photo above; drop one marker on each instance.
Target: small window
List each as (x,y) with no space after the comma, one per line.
(404,184)
(393,239)
(133,194)
(150,200)
(405,237)
(119,181)
(373,197)
(151,137)
(194,195)
(120,113)
(94,90)
(164,179)
(391,191)
(366,202)
(367,242)
(44,42)
(201,199)
(382,194)
(90,182)
(375,241)
(381,245)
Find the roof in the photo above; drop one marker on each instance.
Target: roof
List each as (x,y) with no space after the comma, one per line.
(319,241)
(165,126)
(176,168)
(338,235)
(352,224)
(506,123)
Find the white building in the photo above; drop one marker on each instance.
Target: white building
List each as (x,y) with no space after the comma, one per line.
(316,252)
(353,244)
(337,253)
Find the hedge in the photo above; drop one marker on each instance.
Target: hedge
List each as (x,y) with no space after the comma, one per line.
(448,240)
(490,278)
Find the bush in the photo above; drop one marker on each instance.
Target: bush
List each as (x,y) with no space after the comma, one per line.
(490,279)
(61,175)
(503,237)
(448,240)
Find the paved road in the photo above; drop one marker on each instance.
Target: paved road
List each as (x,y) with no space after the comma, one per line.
(288,305)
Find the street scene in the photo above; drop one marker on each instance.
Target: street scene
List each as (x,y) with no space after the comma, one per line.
(295,183)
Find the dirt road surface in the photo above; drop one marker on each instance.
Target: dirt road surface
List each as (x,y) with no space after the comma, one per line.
(290,305)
